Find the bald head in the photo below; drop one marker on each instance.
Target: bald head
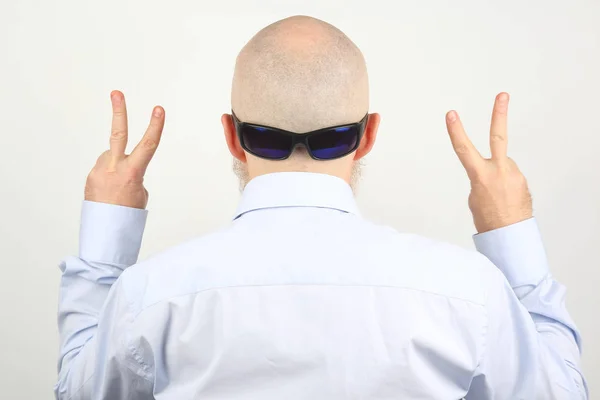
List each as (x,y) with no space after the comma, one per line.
(300,74)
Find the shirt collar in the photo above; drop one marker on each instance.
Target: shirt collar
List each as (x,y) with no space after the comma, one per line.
(297,189)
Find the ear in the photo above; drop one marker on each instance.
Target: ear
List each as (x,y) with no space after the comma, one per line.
(233,143)
(369,136)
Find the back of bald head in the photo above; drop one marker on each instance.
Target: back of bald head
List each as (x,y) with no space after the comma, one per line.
(300,74)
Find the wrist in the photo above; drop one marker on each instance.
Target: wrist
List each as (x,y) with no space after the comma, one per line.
(483,225)
(137,199)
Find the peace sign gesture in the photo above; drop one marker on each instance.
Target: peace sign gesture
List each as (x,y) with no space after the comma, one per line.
(499,193)
(118,178)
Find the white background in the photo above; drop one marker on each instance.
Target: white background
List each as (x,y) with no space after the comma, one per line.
(60,60)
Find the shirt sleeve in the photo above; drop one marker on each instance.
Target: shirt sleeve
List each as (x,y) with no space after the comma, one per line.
(95,357)
(531,345)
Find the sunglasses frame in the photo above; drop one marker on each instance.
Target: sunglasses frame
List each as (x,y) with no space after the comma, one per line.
(299,138)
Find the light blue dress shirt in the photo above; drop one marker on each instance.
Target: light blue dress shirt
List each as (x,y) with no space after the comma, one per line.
(301,298)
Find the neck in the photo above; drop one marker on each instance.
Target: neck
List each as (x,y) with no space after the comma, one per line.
(350,175)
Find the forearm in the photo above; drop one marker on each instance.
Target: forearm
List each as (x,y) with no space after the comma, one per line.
(110,240)
(541,321)
(559,337)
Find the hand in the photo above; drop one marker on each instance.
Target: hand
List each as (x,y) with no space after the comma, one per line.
(499,193)
(118,178)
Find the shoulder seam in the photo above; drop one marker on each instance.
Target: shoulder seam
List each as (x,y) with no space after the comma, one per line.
(142,309)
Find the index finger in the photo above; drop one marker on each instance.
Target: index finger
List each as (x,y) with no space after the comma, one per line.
(498,128)
(142,154)
(118,133)
(464,149)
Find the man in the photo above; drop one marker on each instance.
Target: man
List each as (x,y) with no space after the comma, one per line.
(299,297)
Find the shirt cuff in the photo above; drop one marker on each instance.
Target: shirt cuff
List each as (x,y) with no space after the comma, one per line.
(517,250)
(111,234)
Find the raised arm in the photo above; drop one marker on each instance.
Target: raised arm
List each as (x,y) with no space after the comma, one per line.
(532,346)
(93,313)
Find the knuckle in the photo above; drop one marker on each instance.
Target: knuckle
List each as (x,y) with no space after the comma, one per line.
(102,159)
(513,165)
(478,179)
(149,144)
(504,170)
(461,148)
(133,174)
(522,180)
(117,135)
(497,138)
(93,175)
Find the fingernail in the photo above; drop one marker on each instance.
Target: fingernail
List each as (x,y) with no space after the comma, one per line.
(503,98)
(157,112)
(451,116)
(114,96)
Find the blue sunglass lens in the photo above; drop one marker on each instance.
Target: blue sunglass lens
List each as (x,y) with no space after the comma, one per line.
(334,143)
(272,144)
(267,143)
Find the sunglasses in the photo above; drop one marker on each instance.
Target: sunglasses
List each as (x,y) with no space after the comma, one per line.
(276,144)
